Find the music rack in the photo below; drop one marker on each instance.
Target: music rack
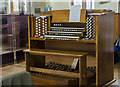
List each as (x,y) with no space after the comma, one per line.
(93,34)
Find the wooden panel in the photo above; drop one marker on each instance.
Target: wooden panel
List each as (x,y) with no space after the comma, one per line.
(117,26)
(29,31)
(96,28)
(80,41)
(71,46)
(56,52)
(37,44)
(91,60)
(34,60)
(96,11)
(105,48)
(83,16)
(49,23)
(38,61)
(116,33)
(32,26)
(69,74)
(60,16)
(63,16)
(41,39)
(46,13)
(28,61)
(83,71)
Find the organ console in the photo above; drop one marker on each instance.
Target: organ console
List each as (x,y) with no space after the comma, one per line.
(54,44)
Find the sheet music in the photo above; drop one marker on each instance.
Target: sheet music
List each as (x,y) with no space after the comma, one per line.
(75,12)
(74,64)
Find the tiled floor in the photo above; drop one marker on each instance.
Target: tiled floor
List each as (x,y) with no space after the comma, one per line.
(11,69)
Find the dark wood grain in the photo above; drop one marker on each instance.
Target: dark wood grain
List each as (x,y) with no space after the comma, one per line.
(105,48)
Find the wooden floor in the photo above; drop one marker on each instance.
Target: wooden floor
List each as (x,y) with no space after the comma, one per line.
(15,68)
(12,69)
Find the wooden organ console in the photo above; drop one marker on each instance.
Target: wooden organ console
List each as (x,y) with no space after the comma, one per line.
(55,42)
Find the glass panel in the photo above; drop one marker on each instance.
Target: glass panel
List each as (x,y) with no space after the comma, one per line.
(6,35)
(20,31)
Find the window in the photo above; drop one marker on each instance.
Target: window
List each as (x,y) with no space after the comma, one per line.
(15,6)
(90,4)
(18,4)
